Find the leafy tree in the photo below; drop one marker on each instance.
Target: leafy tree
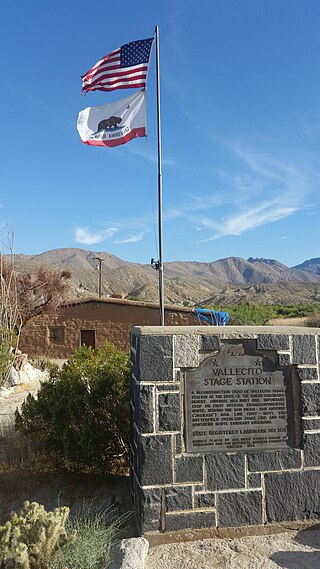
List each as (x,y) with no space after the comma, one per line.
(81,415)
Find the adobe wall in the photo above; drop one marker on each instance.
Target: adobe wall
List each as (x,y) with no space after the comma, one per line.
(225,426)
(112,320)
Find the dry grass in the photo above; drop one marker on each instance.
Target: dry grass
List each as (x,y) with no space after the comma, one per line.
(21,465)
(288,321)
(312,321)
(17,452)
(97,530)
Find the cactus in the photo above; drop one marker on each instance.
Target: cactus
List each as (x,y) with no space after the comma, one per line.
(31,537)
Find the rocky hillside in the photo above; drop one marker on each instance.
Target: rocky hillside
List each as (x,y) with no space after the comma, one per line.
(225,281)
(312,265)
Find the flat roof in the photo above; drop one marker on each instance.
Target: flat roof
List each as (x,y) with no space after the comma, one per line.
(123,301)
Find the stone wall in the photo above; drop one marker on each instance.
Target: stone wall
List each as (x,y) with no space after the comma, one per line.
(173,489)
(111,319)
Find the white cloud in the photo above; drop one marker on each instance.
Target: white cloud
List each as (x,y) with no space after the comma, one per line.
(85,236)
(132,238)
(262,188)
(173,31)
(239,223)
(197,203)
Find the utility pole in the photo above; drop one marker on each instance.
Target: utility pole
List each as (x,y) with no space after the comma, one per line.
(100,260)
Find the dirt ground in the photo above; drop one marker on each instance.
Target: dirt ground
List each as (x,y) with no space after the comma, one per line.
(55,489)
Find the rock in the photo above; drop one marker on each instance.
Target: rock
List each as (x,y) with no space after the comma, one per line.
(13,377)
(4,392)
(131,554)
(28,373)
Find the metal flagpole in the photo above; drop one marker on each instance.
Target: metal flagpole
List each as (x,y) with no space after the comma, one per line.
(160,264)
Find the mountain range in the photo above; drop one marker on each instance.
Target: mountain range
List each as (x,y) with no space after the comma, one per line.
(225,281)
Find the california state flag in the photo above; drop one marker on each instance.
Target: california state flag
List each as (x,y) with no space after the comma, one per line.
(115,123)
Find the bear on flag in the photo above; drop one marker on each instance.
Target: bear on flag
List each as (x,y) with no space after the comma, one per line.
(115,123)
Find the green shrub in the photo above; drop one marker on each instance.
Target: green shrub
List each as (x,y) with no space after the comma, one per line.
(251,314)
(81,415)
(259,314)
(31,537)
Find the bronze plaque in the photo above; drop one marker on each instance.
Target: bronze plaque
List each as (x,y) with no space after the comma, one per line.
(239,399)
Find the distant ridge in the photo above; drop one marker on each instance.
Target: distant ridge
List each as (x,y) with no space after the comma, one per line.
(232,279)
(238,271)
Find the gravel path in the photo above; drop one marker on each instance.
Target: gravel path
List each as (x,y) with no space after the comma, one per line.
(290,550)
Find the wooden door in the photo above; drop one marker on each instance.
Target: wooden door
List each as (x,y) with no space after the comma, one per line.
(88,338)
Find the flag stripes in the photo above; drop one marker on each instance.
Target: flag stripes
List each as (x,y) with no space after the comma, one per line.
(123,68)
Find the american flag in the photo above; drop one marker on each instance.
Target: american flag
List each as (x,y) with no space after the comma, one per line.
(123,68)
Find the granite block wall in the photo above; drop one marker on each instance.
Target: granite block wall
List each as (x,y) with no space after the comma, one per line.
(173,489)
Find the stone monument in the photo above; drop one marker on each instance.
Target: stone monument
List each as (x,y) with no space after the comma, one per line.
(225,426)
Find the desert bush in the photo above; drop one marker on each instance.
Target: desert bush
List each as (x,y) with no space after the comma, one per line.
(81,415)
(314,320)
(44,364)
(6,356)
(96,532)
(250,314)
(32,536)
(295,310)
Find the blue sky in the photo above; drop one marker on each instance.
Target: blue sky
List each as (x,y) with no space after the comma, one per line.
(240,91)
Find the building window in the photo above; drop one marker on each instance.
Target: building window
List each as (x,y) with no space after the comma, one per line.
(57,335)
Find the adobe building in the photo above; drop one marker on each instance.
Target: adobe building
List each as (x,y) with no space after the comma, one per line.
(91,321)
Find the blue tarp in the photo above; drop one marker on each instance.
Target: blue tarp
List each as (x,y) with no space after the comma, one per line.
(212,317)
